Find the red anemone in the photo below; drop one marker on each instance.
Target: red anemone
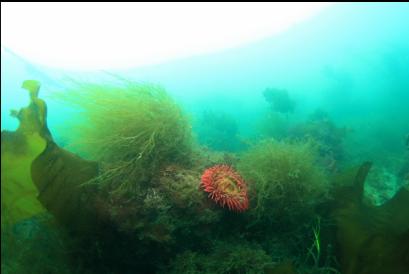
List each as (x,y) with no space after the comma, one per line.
(225,187)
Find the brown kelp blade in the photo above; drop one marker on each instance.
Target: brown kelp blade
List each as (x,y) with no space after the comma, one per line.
(370,239)
(57,174)
(18,150)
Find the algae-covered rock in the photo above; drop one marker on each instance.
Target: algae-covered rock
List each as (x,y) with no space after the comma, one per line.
(171,210)
(224,257)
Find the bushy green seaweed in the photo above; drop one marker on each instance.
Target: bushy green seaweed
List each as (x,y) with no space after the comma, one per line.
(284,180)
(134,130)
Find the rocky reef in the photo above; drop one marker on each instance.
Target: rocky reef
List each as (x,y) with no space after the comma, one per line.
(130,201)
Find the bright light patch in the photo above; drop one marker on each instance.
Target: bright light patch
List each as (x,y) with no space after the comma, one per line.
(86,36)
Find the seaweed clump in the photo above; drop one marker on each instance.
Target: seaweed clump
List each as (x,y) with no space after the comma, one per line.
(133,130)
(225,257)
(284,181)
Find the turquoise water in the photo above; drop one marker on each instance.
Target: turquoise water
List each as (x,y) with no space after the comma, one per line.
(351,62)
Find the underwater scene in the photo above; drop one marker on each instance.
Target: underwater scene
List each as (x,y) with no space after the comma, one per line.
(286,155)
